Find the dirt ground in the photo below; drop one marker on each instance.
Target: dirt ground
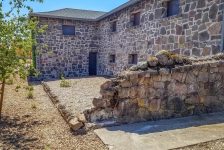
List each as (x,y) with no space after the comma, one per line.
(36,124)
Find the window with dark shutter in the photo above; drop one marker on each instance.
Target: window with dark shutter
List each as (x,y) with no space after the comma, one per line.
(68,30)
(114,26)
(172,8)
(112,58)
(133,59)
(135,19)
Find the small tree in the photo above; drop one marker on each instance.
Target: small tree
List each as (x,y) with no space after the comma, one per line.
(16,40)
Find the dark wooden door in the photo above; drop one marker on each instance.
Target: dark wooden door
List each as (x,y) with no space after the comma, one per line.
(92,63)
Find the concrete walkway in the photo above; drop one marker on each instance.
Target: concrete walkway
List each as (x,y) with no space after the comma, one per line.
(164,134)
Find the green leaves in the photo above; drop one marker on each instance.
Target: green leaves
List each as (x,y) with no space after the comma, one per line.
(16,39)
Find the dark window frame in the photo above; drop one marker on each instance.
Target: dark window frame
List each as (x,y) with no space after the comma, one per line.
(66,28)
(133,58)
(114,26)
(136,18)
(173,8)
(112,58)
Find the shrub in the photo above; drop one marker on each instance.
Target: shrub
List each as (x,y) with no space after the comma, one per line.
(30,95)
(33,106)
(17,88)
(9,81)
(29,88)
(64,83)
(33,72)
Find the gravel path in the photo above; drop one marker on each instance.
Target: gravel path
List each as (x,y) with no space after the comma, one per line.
(79,96)
(36,124)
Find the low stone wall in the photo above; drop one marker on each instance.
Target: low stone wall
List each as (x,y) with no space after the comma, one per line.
(158,94)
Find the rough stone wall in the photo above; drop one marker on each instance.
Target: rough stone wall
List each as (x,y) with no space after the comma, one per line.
(150,95)
(59,54)
(195,31)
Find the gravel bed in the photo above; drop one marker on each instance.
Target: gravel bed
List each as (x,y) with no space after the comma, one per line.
(79,96)
(36,124)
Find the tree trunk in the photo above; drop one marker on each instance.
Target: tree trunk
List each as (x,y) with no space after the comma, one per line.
(2,96)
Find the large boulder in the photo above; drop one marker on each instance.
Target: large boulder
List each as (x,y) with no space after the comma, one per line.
(164,58)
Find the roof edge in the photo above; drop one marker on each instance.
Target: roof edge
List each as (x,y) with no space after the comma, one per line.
(119,8)
(59,17)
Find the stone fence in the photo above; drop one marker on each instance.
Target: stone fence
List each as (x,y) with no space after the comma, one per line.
(160,94)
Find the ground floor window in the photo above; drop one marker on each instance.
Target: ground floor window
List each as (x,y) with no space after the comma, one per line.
(112,58)
(132,58)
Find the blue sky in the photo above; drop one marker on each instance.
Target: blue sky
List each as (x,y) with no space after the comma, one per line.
(100,5)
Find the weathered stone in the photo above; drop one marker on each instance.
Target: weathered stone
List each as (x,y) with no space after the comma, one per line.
(152,61)
(107,85)
(163,31)
(100,103)
(142,65)
(82,118)
(201,3)
(154,105)
(75,124)
(164,58)
(134,68)
(213,11)
(215,28)
(216,49)
(125,83)
(203,36)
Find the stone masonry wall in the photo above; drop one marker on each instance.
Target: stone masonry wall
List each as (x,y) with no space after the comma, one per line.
(59,54)
(196,31)
(150,95)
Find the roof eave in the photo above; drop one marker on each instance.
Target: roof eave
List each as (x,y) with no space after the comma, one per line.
(125,5)
(59,17)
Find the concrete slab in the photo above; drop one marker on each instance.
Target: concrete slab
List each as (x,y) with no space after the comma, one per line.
(164,134)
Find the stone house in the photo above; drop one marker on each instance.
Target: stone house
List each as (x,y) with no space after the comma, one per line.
(84,42)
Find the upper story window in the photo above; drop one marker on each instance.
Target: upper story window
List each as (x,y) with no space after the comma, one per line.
(68,30)
(135,19)
(114,26)
(133,59)
(173,8)
(112,58)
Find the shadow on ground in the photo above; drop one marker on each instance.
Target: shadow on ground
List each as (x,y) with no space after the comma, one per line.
(170,124)
(37,81)
(14,133)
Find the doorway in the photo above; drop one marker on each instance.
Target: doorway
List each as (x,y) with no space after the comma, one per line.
(92,63)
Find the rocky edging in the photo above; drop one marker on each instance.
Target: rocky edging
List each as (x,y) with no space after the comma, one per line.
(76,123)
